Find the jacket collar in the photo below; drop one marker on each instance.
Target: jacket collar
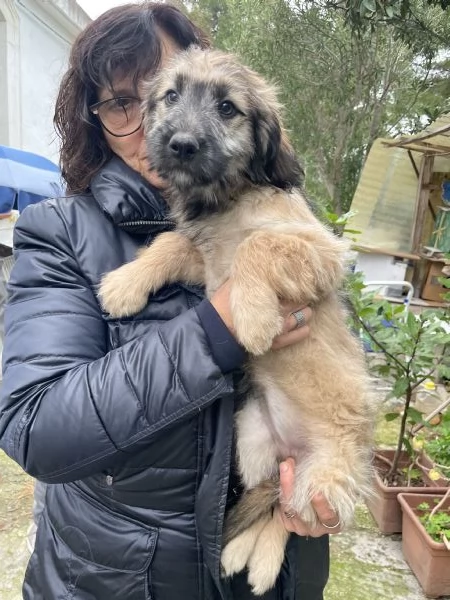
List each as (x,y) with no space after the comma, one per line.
(127,197)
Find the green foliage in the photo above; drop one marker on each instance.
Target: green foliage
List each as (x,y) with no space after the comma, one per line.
(445,282)
(411,349)
(408,342)
(438,446)
(391,416)
(417,22)
(437,525)
(411,475)
(360,13)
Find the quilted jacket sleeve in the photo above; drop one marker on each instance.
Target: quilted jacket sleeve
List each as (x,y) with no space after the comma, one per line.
(68,406)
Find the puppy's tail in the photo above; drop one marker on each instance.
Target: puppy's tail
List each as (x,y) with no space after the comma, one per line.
(252,506)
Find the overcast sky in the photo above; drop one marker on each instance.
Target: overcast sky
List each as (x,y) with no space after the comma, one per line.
(94,8)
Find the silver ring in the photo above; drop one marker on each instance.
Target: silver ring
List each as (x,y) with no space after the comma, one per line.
(299,316)
(331,526)
(290,514)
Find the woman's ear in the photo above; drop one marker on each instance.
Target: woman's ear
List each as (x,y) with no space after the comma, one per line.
(274,161)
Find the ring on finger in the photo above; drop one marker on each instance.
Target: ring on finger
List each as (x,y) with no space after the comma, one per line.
(299,316)
(289,514)
(331,526)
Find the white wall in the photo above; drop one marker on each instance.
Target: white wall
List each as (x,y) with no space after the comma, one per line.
(35,41)
(9,80)
(40,73)
(3,79)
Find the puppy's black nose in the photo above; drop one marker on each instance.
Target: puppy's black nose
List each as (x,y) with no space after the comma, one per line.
(184,146)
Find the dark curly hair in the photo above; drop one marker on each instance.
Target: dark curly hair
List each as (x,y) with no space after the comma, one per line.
(123,40)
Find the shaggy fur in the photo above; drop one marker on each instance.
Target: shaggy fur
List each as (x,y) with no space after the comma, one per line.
(214,132)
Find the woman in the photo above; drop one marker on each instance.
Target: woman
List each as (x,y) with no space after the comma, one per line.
(130,420)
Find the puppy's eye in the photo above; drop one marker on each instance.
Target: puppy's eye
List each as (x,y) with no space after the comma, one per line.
(227,109)
(171,97)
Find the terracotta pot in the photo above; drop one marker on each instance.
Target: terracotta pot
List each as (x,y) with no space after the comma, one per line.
(428,464)
(384,505)
(429,560)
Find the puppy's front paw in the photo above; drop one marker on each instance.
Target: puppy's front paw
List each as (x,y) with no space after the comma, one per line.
(255,328)
(122,292)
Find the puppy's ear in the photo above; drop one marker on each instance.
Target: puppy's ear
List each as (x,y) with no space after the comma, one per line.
(274,160)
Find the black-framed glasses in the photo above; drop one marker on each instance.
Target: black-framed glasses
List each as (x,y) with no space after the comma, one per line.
(120,116)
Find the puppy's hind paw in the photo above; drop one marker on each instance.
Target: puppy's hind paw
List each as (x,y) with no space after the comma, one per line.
(262,579)
(266,560)
(237,552)
(235,556)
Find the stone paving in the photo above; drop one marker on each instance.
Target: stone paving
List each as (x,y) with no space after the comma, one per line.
(16,499)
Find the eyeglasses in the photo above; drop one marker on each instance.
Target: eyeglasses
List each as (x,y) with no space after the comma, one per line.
(120,116)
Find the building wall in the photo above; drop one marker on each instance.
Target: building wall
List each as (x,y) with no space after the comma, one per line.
(35,41)
(3,88)
(9,65)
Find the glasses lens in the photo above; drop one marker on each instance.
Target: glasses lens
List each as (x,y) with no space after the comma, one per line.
(120,116)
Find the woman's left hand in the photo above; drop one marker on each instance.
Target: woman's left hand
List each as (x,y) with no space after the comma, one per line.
(292,333)
(325,513)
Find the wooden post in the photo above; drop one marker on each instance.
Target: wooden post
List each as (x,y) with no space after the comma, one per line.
(423,194)
(422,201)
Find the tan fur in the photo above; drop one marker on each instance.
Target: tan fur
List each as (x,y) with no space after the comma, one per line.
(312,400)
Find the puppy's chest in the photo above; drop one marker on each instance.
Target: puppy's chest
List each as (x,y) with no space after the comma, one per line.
(217,244)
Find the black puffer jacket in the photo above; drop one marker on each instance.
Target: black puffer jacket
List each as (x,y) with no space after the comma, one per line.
(130,420)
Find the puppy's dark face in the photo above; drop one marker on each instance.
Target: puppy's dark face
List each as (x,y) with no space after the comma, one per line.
(212,126)
(198,127)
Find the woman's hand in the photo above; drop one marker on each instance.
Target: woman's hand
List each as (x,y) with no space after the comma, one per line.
(292,333)
(291,521)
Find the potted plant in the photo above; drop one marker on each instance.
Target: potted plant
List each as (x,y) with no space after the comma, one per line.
(426,540)
(407,349)
(435,456)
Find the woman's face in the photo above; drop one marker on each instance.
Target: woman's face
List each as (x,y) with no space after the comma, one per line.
(132,148)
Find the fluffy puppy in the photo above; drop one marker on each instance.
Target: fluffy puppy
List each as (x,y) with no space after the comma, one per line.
(214,133)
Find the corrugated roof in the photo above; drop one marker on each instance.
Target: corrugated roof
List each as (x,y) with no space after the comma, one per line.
(385,198)
(435,139)
(386,195)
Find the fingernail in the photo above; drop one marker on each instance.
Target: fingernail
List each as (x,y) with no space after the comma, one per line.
(284,467)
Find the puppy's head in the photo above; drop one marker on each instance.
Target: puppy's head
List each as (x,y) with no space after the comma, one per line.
(213,125)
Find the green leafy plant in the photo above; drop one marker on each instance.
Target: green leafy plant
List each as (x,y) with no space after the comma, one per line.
(411,474)
(436,520)
(408,349)
(339,222)
(437,446)
(445,282)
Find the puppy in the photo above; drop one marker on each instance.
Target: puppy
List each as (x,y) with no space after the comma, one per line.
(214,133)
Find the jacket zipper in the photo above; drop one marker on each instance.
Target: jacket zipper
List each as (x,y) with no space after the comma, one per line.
(143,222)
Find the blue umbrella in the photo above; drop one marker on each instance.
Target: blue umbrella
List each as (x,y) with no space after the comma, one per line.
(28,176)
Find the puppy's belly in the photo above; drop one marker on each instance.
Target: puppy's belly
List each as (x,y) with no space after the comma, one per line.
(289,429)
